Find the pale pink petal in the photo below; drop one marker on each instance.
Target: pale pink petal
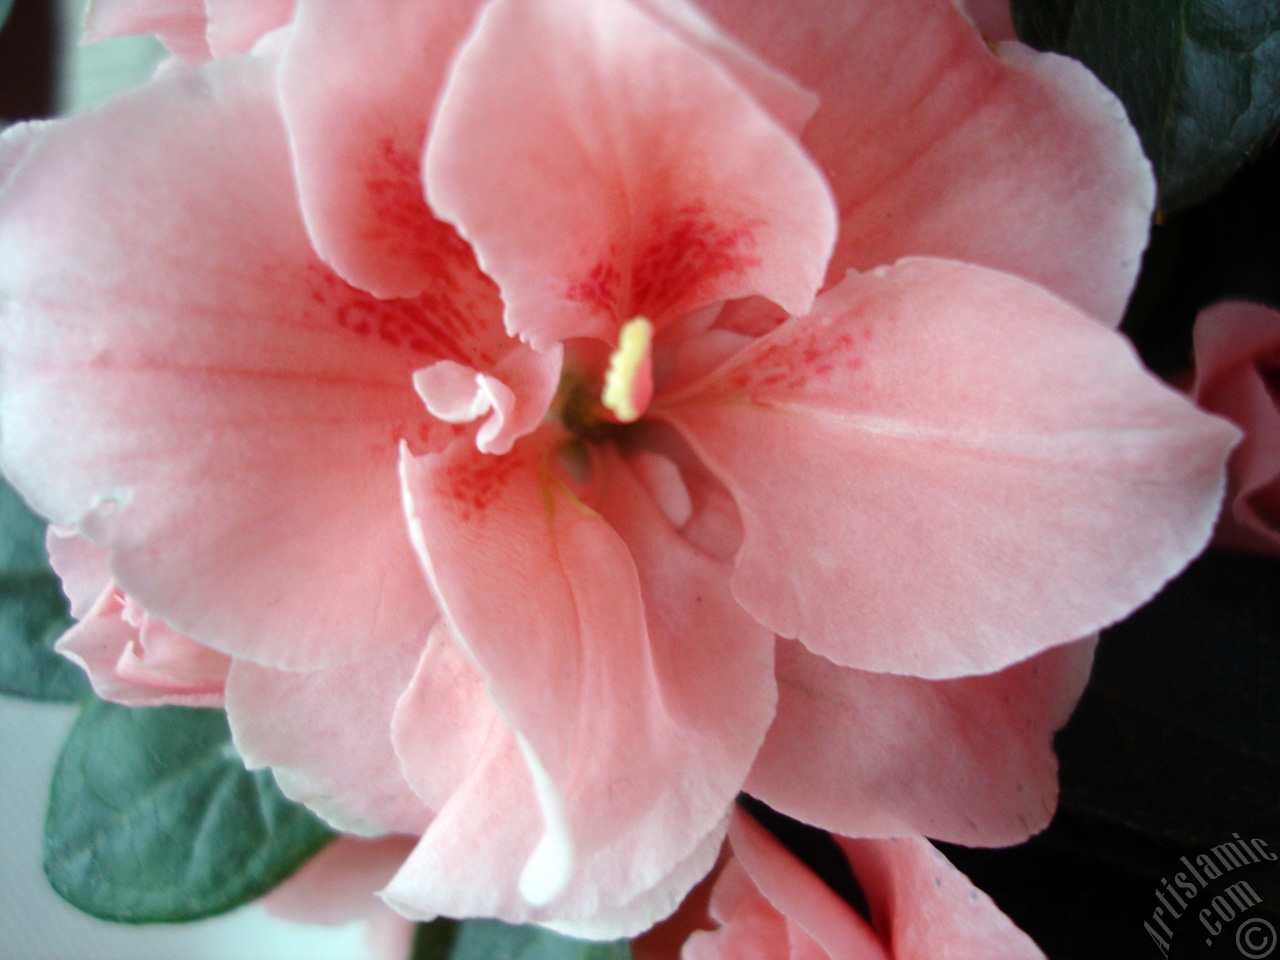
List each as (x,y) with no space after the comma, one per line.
(993,18)
(358,85)
(214,406)
(791,105)
(712,663)
(702,340)
(935,146)
(80,565)
(390,936)
(327,737)
(95,645)
(749,928)
(445,726)
(236,25)
(179,24)
(1237,351)
(513,399)
(472,857)
(166,660)
(443,720)
(622,756)
(637,177)
(1010,478)
(664,485)
(798,894)
(172,670)
(340,883)
(657,902)
(456,393)
(925,908)
(1232,334)
(490,828)
(873,755)
(15,142)
(664,940)
(766,905)
(714,525)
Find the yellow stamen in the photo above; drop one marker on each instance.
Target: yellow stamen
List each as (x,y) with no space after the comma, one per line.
(625,365)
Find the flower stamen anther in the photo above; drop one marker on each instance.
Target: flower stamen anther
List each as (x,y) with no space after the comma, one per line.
(628,383)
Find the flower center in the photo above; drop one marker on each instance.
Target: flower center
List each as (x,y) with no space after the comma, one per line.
(590,407)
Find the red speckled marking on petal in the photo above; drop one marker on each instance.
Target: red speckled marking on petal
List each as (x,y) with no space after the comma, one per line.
(600,287)
(790,365)
(393,179)
(458,317)
(474,482)
(689,249)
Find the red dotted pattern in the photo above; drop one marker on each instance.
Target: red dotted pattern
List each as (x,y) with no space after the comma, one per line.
(400,217)
(458,316)
(689,249)
(474,481)
(814,353)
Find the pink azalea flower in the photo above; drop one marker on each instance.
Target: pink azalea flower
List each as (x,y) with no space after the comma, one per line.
(649,334)
(763,903)
(1237,353)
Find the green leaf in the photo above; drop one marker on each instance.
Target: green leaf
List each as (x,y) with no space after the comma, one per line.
(153,817)
(493,940)
(1200,78)
(33,611)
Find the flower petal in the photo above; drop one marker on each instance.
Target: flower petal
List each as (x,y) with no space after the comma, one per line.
(339,762)
(993,18)
(358,82)
(1010,477)
(654,904)
(874,755)
(339,884)
(926,908)
(799,895)
(236,25)
(16,142)
(142,663)
(214,406)
(748,925)
(1231,334)
(616,735)
(443,720)
(179,24)
(789,103)
(1019,161)
(515,398)
(166,659)
(80,565)
(646,181)
(1237,350)
(465,762)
